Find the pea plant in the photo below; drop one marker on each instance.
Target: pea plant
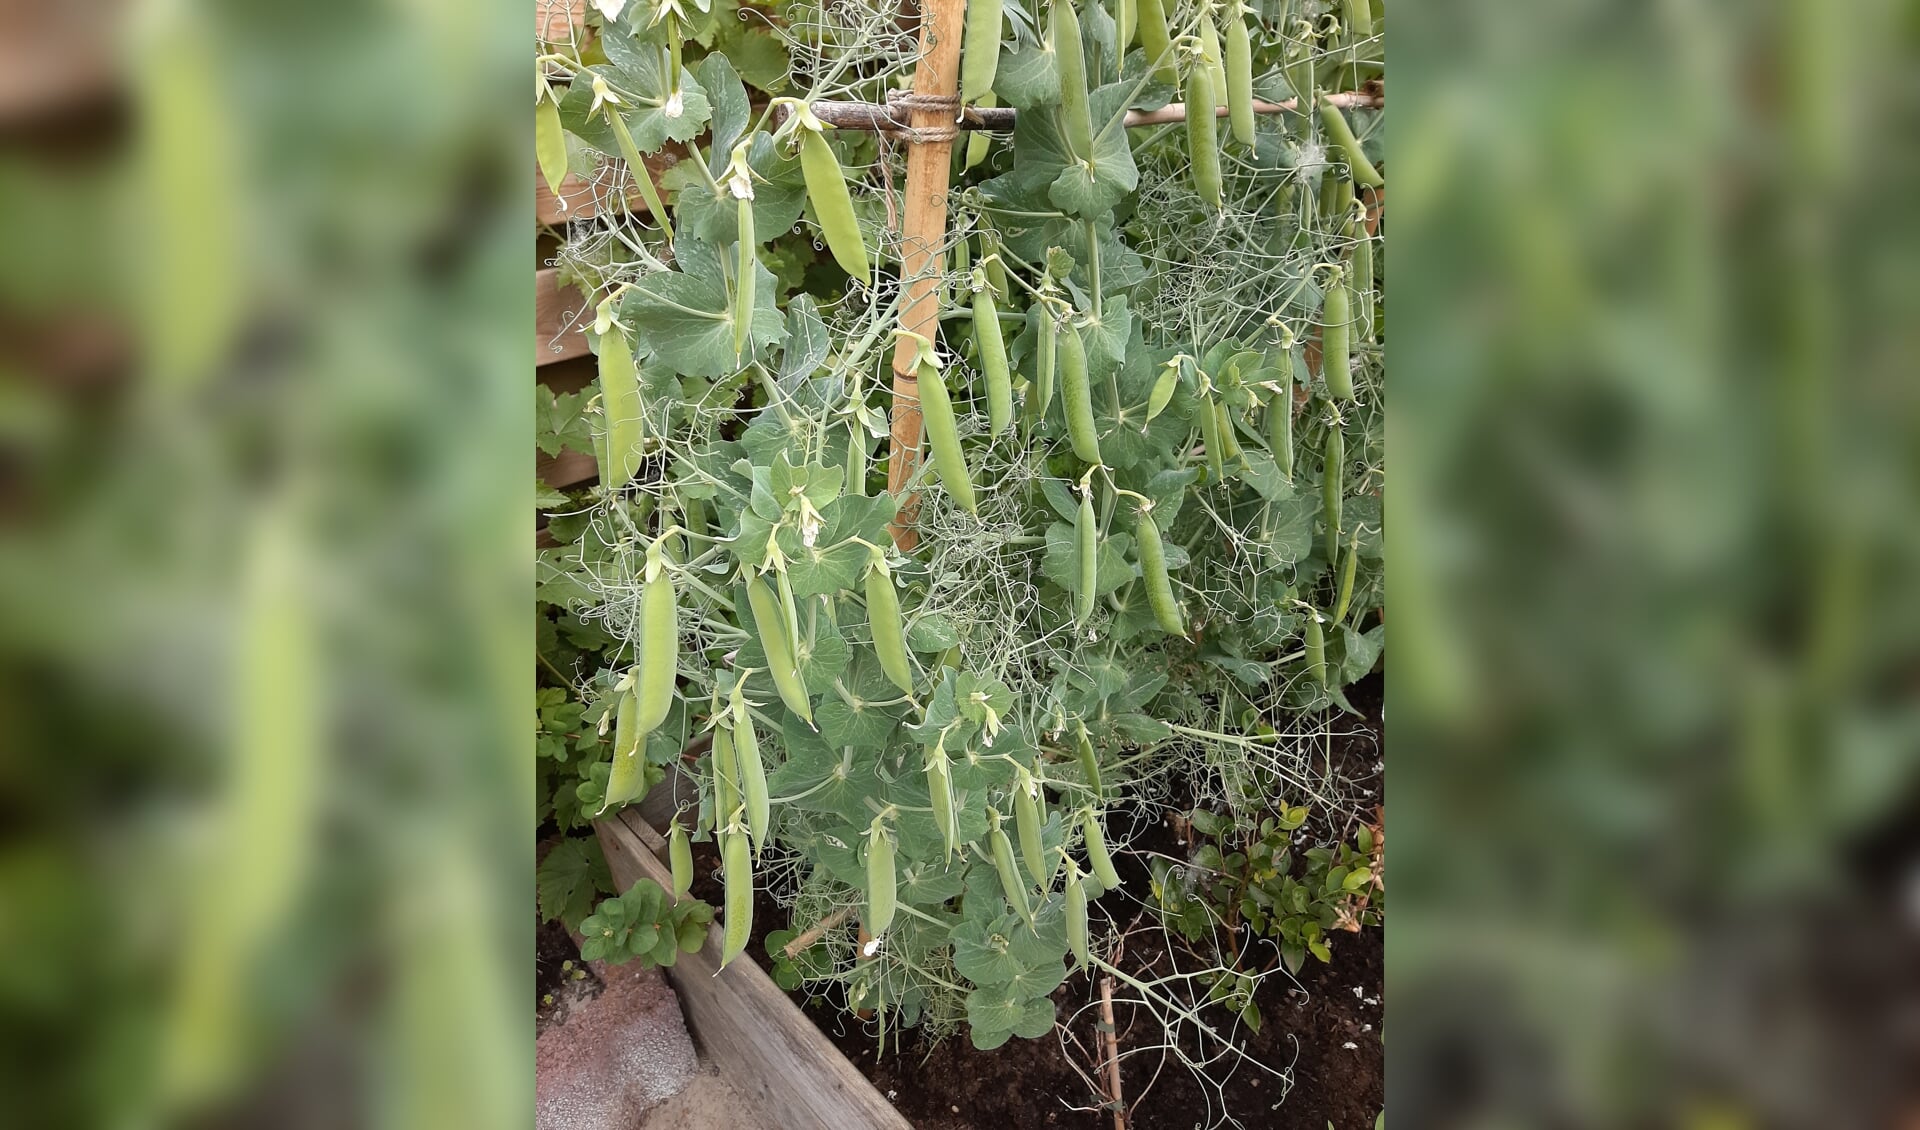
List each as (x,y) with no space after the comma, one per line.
(1144,555)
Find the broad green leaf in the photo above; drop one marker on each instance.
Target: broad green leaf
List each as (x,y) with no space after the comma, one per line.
(859,723)
(685,319)
(1026,76)
(731,113)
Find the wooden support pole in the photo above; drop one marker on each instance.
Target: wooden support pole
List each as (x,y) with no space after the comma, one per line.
(923,236)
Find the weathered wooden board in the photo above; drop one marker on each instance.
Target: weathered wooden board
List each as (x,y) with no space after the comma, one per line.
(760,1041)
(559,330)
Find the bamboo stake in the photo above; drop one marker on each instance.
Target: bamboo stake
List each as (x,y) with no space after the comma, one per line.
(923,235)
(1110,1040)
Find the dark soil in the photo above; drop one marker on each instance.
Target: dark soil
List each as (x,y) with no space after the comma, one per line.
(558,986)
(1030,1083)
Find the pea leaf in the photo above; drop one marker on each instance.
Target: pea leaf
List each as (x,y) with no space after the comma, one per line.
(654,113)
(731,112)
(1026,76)
(779,194)
(858,723)
(684,317)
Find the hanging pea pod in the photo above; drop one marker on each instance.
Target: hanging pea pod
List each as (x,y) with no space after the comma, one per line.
(550,142)
(771,628)
(659,643)
(1239,68)
(1316,650)
(1342,135)
(1164,387)
(1028,817)
(1086,541)
(1076,112)
(1361,273)
(1089,764)
(726,778)
(1359,18)
(1125,16)
(1347,569)
(739,895)
(1076,393)
(980,49)
(753,774)
(1216,64)
(993,355)
(943,434)
(1280,417)
(1223,427)
(680,854)
(940,792)
(1097,857)
(628,775)
(620,397)
(857,453)
(1210,438)
(1157,41)
(883,617)
(978,141)
(746,260)
(1153,569)
(1333,486)
(1077,923)
(1010,881)
(1336,353)
(882,883)
(1203,137)
(832,202)
(1045,358)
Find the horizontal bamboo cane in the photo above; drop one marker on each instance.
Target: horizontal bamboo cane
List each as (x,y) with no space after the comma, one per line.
(890,119)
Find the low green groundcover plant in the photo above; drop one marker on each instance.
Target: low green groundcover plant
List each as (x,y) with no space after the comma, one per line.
(1147,541)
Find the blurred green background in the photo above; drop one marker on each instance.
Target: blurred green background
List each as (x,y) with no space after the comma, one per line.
(265,566)
(1653,729)
(265,569)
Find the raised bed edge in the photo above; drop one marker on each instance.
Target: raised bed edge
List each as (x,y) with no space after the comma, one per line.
(756,1037)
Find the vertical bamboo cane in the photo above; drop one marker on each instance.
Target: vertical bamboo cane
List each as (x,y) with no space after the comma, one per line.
(922,235)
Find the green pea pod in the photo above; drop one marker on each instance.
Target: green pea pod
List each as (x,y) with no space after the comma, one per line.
(1097,857)
(628,775)
(680,854)
(979,141)
(993,358)
(1045,358)
(857,453)
(1359,18)
(1239,68)
(997,278)
(1010,882)
(550,143)
(833,205)
(1333,487)
(882,883)
(772,630)
(1076,392)
(753,780)
(1153,568)
(1125,17)
(1347,569)
(1086,539)
(1361,274)
(943,435)
(940,791)
(659,650)
(739,896)
(1216,64)
(1157,41)
(1203,137)
(1162,394)
(889,637)
(1316,652)
(726,778)
(980,50)
(1223,426)
(1336,351)
(1077,923)
(1342,135)
(1280,420)
(1089,764)
(1076,112)
(620,397)
(1210,437)
(745,277)
(1026,822)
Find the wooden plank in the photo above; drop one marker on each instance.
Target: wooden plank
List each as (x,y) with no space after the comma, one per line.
(579,197)
(760,1041)
(559,327)
(568,469)
(559,21)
